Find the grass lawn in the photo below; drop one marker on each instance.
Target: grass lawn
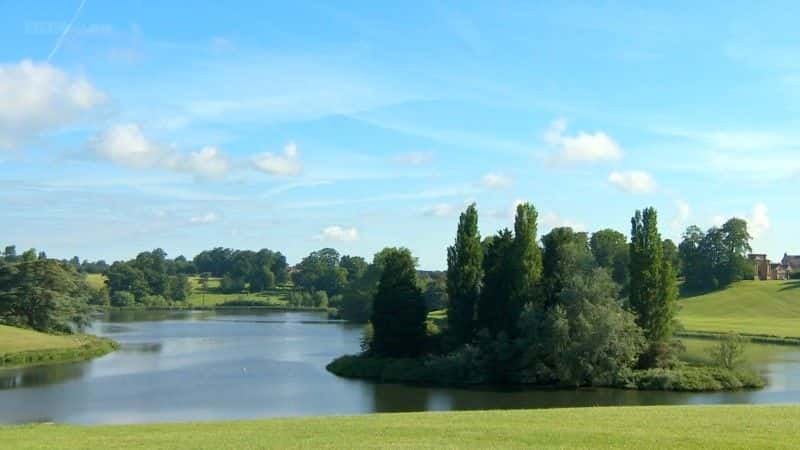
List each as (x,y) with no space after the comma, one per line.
(25,347)
(749,307)
(13,340)
(278,296)
(725,427)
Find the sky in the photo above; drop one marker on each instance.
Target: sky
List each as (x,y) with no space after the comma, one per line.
(131,125)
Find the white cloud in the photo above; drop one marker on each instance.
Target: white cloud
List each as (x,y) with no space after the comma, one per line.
(633,181)
(582,147)
(286,164)
(413,158)
(684,211)
(337,233)
(552,220)
(204,219)
(126,145)
(440,210)
(207,162)
(496,181)
(759,222)
(37,97)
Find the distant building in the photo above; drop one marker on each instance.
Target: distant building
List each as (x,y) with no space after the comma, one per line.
(764,269)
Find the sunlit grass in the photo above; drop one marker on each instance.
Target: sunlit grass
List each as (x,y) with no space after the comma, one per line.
(726,427)
(749,307)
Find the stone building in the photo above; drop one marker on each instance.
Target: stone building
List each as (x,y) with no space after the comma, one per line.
(765,269)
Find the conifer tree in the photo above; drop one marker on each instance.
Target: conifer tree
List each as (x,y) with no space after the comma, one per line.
(464,273)
(526,265)
(398,309)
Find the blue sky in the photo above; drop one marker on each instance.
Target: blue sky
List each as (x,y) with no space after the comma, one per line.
(126,126)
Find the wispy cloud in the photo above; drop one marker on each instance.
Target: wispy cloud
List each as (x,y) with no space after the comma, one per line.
(413,158)
(633,181)
(496,181)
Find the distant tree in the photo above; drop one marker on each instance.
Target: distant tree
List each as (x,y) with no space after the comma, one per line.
(44,295)
(29,255)
(653,292)
(610,250)
(231,285)
(321,270)
(716,258)
(179,288)
(494,306)
(565,253)
(320,299)
(125,276)
(672,255)
(260,279)
(122,299)
(464,274)
(434,291)
(42,255)
(398,312)
(10,253)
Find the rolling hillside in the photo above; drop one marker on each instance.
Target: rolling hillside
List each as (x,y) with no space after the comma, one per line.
(749,307)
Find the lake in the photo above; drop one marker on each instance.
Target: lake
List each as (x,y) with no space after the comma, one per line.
(197,366)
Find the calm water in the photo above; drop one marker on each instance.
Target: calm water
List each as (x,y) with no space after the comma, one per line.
(189,366)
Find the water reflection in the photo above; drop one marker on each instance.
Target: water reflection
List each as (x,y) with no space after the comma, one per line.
(184,365)
(41,375)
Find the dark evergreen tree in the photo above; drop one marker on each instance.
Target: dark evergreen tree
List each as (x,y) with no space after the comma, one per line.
(495,297)
(565,254)
(464,273)
(398,311)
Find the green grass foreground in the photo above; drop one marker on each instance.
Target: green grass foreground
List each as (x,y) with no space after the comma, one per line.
(21,347)
(764,308)
(725,427)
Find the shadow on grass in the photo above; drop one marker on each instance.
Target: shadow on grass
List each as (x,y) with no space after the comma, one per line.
(794,284)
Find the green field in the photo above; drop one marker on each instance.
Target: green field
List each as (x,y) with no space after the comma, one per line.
(725,427)
(749,307)
(25,347)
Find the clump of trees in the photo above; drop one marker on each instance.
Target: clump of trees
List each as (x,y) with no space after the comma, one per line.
(146,280)
(43,294)
(577,310)
(242,270)
(716,258)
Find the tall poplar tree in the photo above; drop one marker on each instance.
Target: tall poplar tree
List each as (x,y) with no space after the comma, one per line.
(653,291)
(526,264)
(495,297)
(464,273)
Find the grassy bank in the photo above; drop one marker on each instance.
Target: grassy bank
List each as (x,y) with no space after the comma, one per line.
(20,347)
(726,427)
(757,308)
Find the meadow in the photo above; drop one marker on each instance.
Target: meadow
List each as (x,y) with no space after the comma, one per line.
(200,297)
(767,308)
(726,427)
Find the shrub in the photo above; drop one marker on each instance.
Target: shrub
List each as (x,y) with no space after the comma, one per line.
(728,352)
(694,379)
(122,299)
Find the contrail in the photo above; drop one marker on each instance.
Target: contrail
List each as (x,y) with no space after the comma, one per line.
(66,31)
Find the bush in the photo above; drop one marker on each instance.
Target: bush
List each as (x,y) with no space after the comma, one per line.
(320,299)
(122,299)
(693,379)
(154,300)
(728,352)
